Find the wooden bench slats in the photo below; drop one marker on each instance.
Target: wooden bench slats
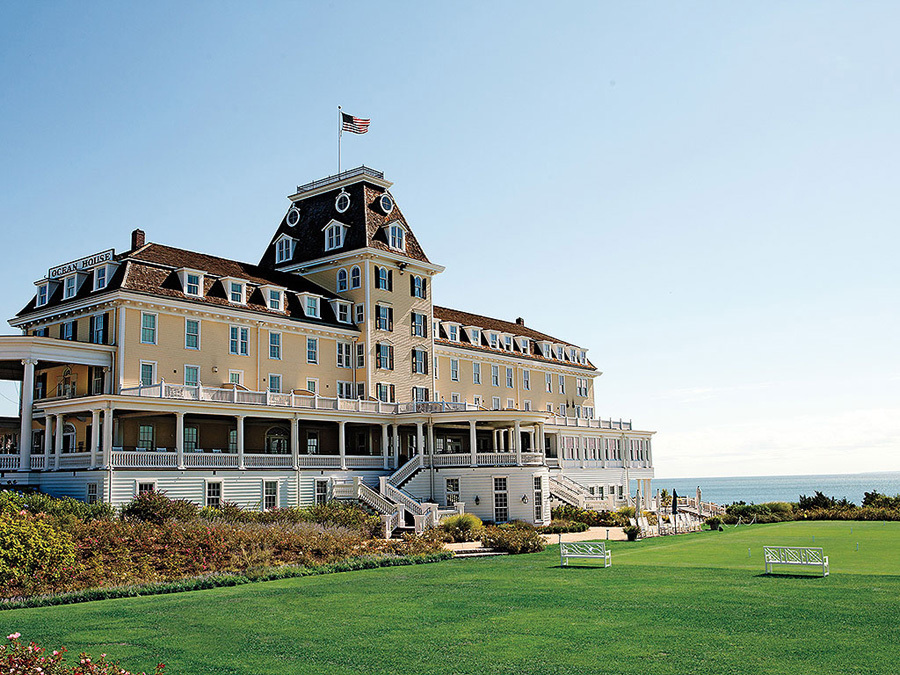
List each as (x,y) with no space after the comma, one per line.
(795,555)
(584,549)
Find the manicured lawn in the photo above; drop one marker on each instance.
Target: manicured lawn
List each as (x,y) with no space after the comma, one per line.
(689,604)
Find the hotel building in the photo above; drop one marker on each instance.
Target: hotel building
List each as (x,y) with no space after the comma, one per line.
(324,371)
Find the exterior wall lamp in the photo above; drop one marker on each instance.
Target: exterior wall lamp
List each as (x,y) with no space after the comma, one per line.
(524,499)
(477,500)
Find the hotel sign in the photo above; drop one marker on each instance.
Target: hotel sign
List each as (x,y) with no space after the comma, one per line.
(81,264)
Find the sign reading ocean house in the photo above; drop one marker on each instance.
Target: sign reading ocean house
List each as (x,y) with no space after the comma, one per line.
(323,371)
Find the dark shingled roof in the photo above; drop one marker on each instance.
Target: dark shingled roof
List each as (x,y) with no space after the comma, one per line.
(487,323)
(364,219)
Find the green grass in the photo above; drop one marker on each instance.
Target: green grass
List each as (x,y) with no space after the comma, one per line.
(688,604)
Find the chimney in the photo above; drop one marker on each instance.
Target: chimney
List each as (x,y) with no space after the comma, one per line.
(520,321)
(137,239)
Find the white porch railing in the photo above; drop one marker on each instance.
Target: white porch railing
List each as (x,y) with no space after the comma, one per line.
(9,462)
(134,459)
(402,474)
(400,497)
(37,462)
(210,460)
(75,460)
(560,421)
(267,461)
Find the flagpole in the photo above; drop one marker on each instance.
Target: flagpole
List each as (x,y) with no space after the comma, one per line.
(340,130)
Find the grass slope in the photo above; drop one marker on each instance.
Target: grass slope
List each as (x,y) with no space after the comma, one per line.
(689,604)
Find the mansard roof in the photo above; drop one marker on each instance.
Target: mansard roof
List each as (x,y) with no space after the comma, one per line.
(364,219)
(487,323)
(153,269)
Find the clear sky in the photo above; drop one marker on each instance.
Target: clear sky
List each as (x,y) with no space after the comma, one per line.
(702,194)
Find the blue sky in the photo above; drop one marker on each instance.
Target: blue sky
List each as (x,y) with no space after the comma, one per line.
(702,194)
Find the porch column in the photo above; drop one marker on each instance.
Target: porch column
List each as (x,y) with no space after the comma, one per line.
(240,440)
(342,443)
(57,451)
(107,437)
(517,440)
(431,439)
(502,436)
(48,440)
(27,412)
(473,443)
(395,439)
(532,438)
(179,439)
(95,436)
(582,442)
(496,444)
(420,439)
(542,439)
(385,450)
(603,452)
(295,443)
(107,380)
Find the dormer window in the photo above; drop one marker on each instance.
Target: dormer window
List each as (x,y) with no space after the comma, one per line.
(311,306)
(43,294)
(70,286)
(453,332)
(334,235)
(275,300)
(397,237)
(523,345)
(559,352)
(100,278)
(236,292)
(474,335)
(192,284)
(507,343)
(341,310)
(274,297)
(492,339)
(284,249)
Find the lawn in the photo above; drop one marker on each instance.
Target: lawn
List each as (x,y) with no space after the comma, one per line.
(688,604)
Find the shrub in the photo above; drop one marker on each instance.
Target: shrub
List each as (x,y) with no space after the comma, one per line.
(631,532)
(461,527)
(821,501)
(343,514)
(512,539)
(19,657)
(877,500)
(155,507)
(588,516)
(626,511)
(60,508)
(562,526)
(31,548)
(713,522)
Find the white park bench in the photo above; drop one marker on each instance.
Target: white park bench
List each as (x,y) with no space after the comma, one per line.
(583,549)
(795,555)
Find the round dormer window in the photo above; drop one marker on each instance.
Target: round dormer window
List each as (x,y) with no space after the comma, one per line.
(293,217)
(342,203)
(386,203)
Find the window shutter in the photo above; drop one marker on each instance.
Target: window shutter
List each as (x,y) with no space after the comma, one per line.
(425,288)
(62,330)
(390,325)
(391,396)
(413,360)
(91,323)
(424,326)
(377,271)
(390,280)
(412,285)
(106,339)
(391,357)
(425,360)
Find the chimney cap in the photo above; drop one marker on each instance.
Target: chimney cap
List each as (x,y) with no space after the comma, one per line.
(520,321)
(138,239)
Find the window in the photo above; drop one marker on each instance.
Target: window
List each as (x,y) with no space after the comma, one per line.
(454,398)
(148,373)
(476,400)
(453,333)
(384,392)
(343,355)
(145,437)
(67,330)
(562,384)
(526,380)
(360,356)
(239,341)
(549,383)
(508,343)
(98,329)
(581,386)
(501,501)
(384,356)
(509,378)
(312,442)
(191,376)
(559,353)
(274,345)
(355,277)
(396,239)
(562,409)
(41,332)
(274,383)
(148,328)
(437,369)
(100,278)
(42,295)
(345,390)
(277,441)
(191,439)
(236,376)
(343,312)
(93,493)
(454,370)
(312,350)
(452,490)
(475,337)
(192,284)
(191,334)
(270,494)
(360,311)
(495,403)
(334,236)
(420,362)
(384,278)
(420,394)
(476,373)
(493,340)
(419,325)
(232,440)
(526,405)
(275,300)
(284,249)
(589,412)
(145,487)
(312,385)
(312,307)
(538,499)
(97,380)
(549,407)
(510,404)
(236,292)
(417,286)
(495,376)
(321,490)
(384,317)
(341,280)
(69,287)
(361,390)
(214,494)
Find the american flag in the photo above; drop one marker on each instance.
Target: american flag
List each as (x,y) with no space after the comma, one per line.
(356,125)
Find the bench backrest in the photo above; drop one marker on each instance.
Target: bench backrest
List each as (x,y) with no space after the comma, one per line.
(583,548)
(794,555)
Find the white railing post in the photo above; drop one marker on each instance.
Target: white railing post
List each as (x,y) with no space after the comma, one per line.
(240,440)
(162,388)
(179,438)
(95,436)
(473,443)
(342,444)
(385,451)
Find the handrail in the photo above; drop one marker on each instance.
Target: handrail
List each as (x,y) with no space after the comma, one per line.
(362,170)
(366,494)
(399,496)
(404,472)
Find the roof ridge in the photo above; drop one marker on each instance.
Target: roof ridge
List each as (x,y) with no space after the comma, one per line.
(509,323)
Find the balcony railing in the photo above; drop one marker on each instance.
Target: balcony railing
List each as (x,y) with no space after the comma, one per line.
(560,421)
(9,462)
(483,459)
(349,173)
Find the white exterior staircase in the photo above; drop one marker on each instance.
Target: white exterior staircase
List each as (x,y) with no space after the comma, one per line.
(572,492)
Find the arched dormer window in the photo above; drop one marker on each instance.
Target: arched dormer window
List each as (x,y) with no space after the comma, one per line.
(342,280)
(277,441)
(355,277)
(334,236)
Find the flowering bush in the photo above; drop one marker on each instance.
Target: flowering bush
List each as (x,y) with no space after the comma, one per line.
(60,508)
(512,539)
(589,517)
(30,547)
(17,657)
(461,526)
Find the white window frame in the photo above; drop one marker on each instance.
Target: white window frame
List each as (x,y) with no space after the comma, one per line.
(275,345)
(241,292)
(476,372)
(240,377)
(397,237)
(359,311)
(334,235)
(98,285)
(526,380)
(312,307)
(70,290)
(510,378)
(186,334)
(562,383)
(154,330)
(314,381)
(495,375)
(280,380)
(243,340)
(43,289)
(355,277)
(344,354)
(185,373)
(345,390)
(495,492)
(454,370)
(197,284)
(284,249)
(206,483)
(153,379)
(312,347)
(495,403)
(266,483)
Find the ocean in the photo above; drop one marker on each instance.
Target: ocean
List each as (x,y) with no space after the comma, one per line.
(759,489)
